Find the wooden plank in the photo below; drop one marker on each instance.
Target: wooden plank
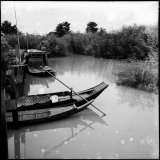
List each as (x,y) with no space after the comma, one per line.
(11,104)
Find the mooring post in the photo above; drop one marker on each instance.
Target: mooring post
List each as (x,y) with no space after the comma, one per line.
(13,88)
(45,59)
(24,71)
(71,93)
(4,139)
(15,119)
(13,104)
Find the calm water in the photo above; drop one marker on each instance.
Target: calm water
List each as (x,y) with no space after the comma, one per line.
(129,130)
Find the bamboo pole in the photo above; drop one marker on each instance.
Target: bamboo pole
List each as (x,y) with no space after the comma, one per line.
(17,36)
(71,89)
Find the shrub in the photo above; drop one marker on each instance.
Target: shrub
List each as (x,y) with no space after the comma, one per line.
(57,46)
(33,41)
(138,75)
(7,58)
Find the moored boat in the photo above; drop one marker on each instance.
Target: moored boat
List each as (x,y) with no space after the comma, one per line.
(52,106)
(41,73)
(35,57)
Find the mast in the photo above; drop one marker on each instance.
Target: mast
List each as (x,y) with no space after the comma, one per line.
(17,35)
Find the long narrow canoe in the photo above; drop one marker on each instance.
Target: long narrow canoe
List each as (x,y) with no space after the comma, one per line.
(52,106)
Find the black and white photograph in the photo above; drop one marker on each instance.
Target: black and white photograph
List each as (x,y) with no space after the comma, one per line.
(79,80)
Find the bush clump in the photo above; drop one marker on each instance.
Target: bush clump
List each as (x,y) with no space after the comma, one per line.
(139,75)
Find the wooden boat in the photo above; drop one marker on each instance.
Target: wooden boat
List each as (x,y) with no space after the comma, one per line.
(37,56)
(42,108)
(40,72)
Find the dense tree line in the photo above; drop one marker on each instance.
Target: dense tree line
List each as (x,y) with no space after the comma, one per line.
(135,41)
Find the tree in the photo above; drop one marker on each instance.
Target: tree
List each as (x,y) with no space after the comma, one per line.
(91,27)
(102,31)
(7,28)
(51,33)
(62,29)
(7,58)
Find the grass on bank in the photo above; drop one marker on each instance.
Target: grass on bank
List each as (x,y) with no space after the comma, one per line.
(140,75)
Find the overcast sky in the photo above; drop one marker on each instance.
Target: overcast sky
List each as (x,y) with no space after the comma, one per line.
(42,17)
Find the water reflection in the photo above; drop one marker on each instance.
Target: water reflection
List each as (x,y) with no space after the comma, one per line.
(81,119)
(33,80)
(73,70)
(136,98)
(86,135)
(88,66)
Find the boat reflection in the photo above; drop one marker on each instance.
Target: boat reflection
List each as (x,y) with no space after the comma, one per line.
(33,80)
(72,70)
(68,122)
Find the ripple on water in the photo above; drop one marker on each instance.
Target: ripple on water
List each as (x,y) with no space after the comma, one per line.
(122,142)
(131,139)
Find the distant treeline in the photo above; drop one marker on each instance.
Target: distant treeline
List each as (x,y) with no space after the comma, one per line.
(136,41)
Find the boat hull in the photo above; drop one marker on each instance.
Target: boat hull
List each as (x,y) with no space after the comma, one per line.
(51,116)
(68,104)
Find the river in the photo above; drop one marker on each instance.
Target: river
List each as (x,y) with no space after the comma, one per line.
(130,129)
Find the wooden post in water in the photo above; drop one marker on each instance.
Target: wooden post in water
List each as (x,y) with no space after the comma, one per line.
(17,142)
(4,141)
(13,88)
(45,62)
(12,103)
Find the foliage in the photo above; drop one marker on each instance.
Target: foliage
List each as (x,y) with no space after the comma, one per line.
(68,41)
(32,40)
(56,46)
(78,43)
(152,33)
(50,33)
(138,42)
(7,28)
(102,31)
(91,27)
(62,29)
(139,75)
(7,58)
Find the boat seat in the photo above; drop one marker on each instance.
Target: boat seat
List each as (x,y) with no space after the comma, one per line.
(27,101)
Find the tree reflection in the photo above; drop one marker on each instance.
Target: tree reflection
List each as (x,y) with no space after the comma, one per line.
(87,65)
(77,65)
(136,98)
(68,122)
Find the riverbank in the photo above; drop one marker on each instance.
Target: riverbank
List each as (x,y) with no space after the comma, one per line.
(130,42)
(141,75)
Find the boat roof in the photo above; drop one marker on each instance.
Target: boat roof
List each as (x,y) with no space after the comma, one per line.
(35,51)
